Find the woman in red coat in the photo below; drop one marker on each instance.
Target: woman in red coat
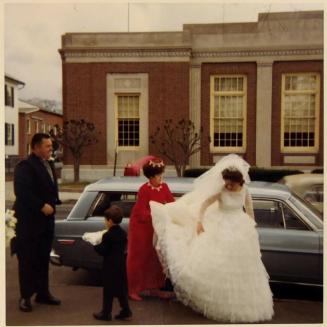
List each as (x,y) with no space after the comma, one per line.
(144,270)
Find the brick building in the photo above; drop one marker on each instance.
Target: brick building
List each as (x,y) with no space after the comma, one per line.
(33,120)
(256,89)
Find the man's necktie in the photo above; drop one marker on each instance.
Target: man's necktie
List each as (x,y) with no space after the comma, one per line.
(47,166)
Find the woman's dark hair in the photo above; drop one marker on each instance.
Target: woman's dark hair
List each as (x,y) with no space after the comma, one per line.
(38,138)
(153,167)
(114,213)
(234,175)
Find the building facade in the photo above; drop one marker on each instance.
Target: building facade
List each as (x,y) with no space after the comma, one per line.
(12,86)
(255,88)
(33,120)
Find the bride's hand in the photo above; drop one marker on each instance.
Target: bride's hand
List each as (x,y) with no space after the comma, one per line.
(199,228)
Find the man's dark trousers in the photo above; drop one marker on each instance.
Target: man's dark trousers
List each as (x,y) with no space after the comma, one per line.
(33,265)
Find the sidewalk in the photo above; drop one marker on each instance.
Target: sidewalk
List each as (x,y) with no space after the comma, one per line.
(64,195)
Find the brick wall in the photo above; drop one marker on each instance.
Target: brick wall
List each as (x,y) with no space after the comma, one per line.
(42,117)
(248,69)
(280,68)
(84,96)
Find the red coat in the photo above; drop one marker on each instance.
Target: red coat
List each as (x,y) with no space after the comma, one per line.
(144,270)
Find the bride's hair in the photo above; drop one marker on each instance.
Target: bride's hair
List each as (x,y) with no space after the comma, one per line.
(233,174)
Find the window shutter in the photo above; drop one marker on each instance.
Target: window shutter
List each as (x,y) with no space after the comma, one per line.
(12,97)
(6,95)
(12,134)
(6,134)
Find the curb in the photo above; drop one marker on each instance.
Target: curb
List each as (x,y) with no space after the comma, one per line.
(71,189)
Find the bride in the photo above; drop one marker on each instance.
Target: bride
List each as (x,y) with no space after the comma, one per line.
(209,246)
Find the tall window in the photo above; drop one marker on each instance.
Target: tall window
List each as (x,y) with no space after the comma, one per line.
(9,96)
(36,124)
(228,112)
(128,120)
(300,112)
(28,126)
(9,134)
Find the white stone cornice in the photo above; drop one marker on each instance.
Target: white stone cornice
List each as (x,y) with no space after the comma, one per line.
(187,53)
(127,53)
(256,53)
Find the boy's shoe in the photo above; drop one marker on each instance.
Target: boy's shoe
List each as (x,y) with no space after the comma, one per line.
(124,315)
(25,305)
(102,316)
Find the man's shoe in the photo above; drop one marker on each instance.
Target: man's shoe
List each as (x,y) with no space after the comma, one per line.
(102,316)
(124,315)
(25,305)
(48,299)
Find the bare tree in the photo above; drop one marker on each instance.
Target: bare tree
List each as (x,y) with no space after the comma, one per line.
(75,135)
(177,142)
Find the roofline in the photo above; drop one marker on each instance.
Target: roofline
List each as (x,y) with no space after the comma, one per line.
(14,80)
(51,112)
(30,110)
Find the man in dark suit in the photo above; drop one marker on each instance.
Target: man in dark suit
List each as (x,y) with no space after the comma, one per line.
(36,190)
(112,248)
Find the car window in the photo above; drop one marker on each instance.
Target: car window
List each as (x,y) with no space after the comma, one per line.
(292,221)
(125,200)
(305,206)
(268,213)
(315,194)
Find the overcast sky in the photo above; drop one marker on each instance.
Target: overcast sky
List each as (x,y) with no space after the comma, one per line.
(32,34)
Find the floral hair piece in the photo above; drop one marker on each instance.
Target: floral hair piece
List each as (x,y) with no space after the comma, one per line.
(153,163)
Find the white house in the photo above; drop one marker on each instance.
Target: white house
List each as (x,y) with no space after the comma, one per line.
(12,86)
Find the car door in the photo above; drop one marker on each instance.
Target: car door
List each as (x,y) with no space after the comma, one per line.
(68,243)
(74,251)
(290,248)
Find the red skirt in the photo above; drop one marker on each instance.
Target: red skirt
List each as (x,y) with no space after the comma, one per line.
(144,270)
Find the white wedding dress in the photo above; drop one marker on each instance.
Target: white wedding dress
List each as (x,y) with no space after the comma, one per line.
(219,272)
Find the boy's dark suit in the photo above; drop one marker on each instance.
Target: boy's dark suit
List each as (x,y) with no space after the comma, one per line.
(33,188)
(112,248)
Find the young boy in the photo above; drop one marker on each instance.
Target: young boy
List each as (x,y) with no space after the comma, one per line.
(112,248)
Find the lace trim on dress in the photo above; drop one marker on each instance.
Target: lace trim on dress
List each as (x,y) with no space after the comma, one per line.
(157,188)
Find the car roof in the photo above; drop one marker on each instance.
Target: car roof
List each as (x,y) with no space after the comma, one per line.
(181,185)
(304,178)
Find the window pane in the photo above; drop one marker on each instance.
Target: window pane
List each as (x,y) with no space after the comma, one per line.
(292,221)
(104,200)
(299,110)
(228,111)
(128,120)
(268,214)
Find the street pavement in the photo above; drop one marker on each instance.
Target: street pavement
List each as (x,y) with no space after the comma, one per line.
(64,196)
(81,295)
